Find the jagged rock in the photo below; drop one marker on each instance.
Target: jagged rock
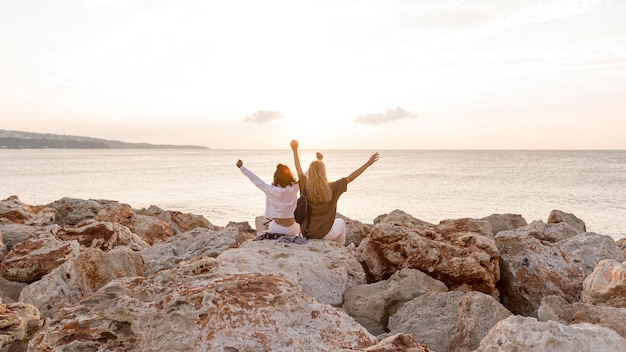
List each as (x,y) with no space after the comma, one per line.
(517,333)
(399,217)
(585,250)
(450,321)
(37,255)
(81,276)
(621,243)
(606,285)
(14,211)
(10,290)
(557,309)
(188,245)
(505,222)
(18,322)
(3,248)
(394,343)
(553,232)
(72,211)
(356,231)
(322,269)
(192,308)
(178,221)
(371,305)
(557,216)
(102,235)
(15,233)
(532,269)
(460,253)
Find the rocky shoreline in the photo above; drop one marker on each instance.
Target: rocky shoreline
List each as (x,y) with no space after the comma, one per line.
(97,275)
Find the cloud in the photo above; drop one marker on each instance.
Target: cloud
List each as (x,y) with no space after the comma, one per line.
(384,117)
(264,116)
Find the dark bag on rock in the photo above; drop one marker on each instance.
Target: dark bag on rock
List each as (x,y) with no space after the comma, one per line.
(301,208)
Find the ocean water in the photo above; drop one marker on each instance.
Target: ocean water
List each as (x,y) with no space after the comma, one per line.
(430,185)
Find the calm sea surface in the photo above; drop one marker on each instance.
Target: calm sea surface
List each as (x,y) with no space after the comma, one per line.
(430,185)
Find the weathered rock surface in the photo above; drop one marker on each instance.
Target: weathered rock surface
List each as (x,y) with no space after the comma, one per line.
(3,248)
(557,309)
(553,232)
(402,218)
(178,221)
(191,308)
(460,253)
(10,290)
(13,234)
(517,333)
(450,321)
(621,243)
(532,269)
(371,305)
(14,211)
(356,231)
(322,269)
(505,222)
(79,277)
(558,216)
(102,235)
(606,285)
(394,343)
(585,250)
(18,322)
(188,245)
(37,255)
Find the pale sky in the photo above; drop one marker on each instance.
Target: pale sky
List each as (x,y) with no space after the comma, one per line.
(334,74)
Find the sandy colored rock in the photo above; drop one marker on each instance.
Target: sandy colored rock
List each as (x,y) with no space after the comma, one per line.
(192,308)
(451,321)
(102,235)
(517,333)
(371,305)
(14,211)
(79,277)
(18,322)
(606,285)
(505,222)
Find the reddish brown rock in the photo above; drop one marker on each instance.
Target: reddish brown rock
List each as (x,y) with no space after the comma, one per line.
(18,322)
(14,211)
(461,253)
(178,221)
(102,235)
(37,255)
(394,343)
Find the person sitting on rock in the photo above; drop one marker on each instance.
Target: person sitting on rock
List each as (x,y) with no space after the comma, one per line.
(280,199)
(322,197)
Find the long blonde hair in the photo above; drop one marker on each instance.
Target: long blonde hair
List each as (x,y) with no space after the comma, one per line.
(317,187)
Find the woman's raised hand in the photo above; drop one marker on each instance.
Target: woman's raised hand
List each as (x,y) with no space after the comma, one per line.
(239,163)
(294,144)
(373,158)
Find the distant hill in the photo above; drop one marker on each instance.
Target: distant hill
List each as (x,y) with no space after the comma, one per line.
(23,140)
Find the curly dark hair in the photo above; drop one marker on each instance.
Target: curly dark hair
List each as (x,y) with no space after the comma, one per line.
(283,176)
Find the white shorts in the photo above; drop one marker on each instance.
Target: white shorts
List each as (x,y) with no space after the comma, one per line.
(337,233)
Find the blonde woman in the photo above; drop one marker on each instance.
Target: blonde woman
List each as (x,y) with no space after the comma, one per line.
(322,197)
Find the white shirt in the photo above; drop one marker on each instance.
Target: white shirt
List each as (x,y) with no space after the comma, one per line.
(279,202)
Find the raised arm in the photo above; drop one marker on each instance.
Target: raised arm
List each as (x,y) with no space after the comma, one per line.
(296,158)
(359,171)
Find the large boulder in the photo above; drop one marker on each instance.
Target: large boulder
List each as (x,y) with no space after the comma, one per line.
(193,308)
(371,305)
(37,255)
(517,333)
(356,231)
(178,221)
(10,290)
(188,245)
(81,276)
(557,309)
(558,216)
(460,253)
(551,232)
(585,250)
(532,269)
(450,321)
(102,235)
(322,269)
(607,284)
(401,218)
(14,211)
(18,323)
(505,222)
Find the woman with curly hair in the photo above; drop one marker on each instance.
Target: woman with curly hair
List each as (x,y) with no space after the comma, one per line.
(322,197)
(280,199)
